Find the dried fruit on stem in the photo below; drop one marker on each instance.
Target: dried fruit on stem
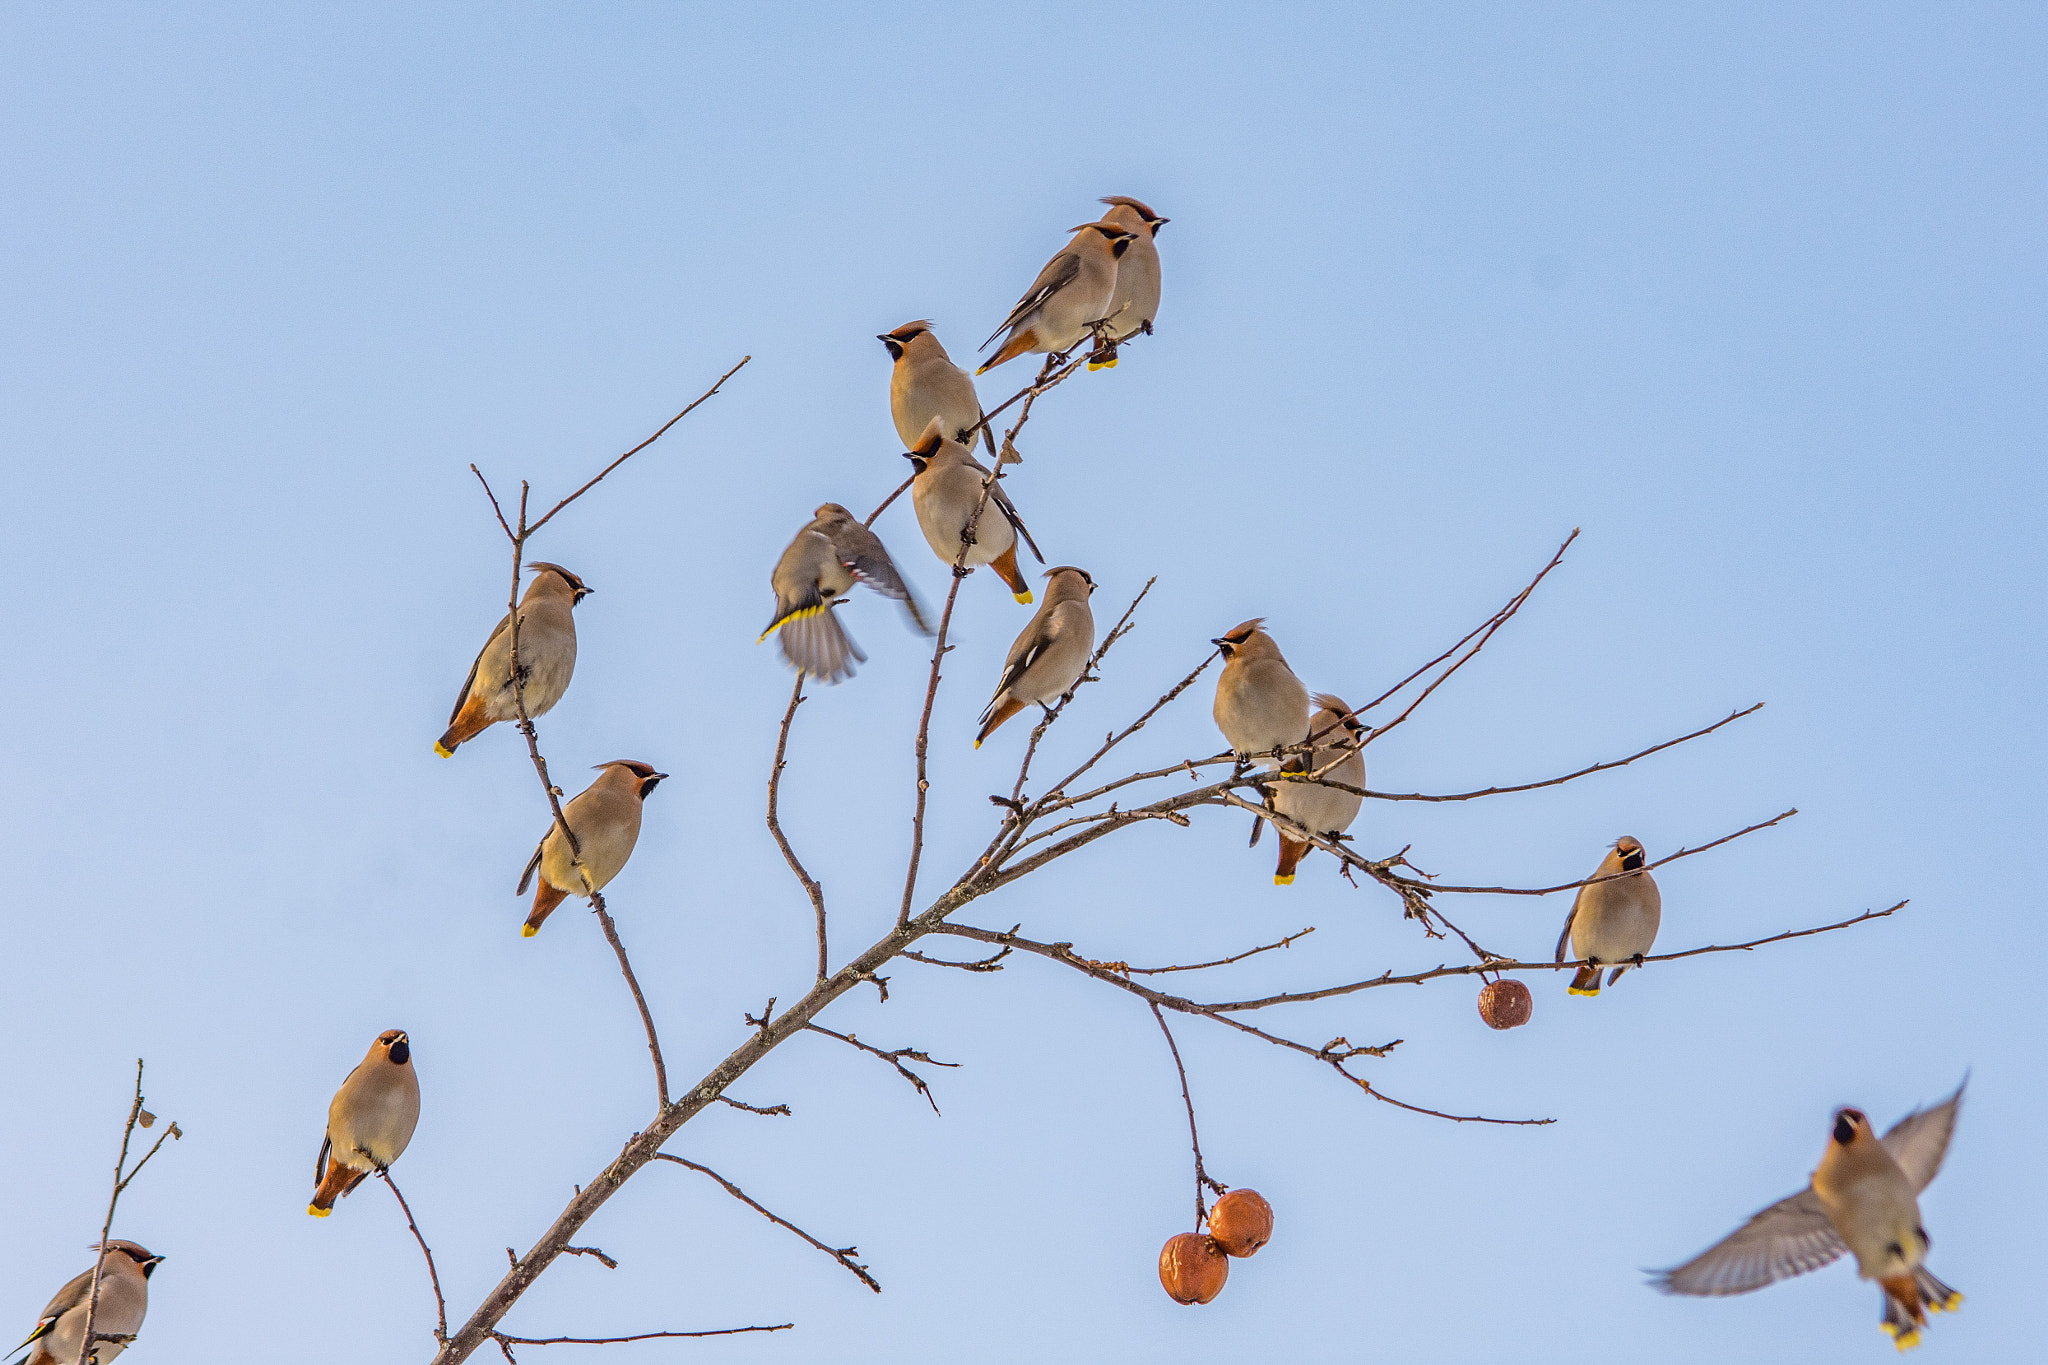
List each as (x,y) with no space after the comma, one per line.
(1505,1003)
(1241,1222)
(1192,1268)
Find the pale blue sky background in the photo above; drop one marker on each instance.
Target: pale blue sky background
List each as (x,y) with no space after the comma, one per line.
(1753,296)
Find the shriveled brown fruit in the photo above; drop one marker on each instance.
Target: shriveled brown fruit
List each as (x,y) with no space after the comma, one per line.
(1241,1222)
(1192,1268)
(1505,1003)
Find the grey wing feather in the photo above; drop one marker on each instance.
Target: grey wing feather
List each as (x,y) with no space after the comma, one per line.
(1789,1238)
(1564,935)
(1919,1141)
(320,1161)
(1059,272)
(1016,522)
(532,866)
(861,550)
(470,681)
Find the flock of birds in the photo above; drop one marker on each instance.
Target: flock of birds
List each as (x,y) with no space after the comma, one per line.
(1102,288)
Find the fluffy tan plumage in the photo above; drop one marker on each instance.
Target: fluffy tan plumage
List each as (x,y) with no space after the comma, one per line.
(1135,301)
(547,659)
(369,1122)
(124,1300)
(1863,1198)
(1612,922)
(605,818)
(1069,296)
(946,490)
(1049,655)
(1318,809)
(1260,704)
(925,385)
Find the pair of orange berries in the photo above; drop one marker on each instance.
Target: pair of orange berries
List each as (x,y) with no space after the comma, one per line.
(1193,1267)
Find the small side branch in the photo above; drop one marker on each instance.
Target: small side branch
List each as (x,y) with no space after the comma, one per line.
(611,936)
(505,1339)
(843,1255)
(433,1275)
(1194,1138)
(778,1110)
(894,1058)
(811,888)
(137,1116)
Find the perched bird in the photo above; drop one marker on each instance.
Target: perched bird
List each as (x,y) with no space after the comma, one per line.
(1318,809)
(1049,656)
(369,1122)
(547,658)
(1612,922)
(605,817)
(1069,296)
(925,384)
(125,1269)
(1135,301)
(1863,1197)
(946,490)
(826,559)
(1260,704)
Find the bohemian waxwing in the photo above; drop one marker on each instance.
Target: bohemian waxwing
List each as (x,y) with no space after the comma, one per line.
(1069,296)
(946,490)
(1048,658)
(547,658)
(1135,301)
(1260,704)
(1864,1198)
(826,559)
(605,817)
(124,1299)
(925,385)
(1318,809)
(369,1122)
(1612,922)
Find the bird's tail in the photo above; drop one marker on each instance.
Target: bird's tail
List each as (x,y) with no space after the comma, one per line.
(468,723)
(1586,981)
(1018,343)
(1907,1300)
(1005,565)
(997,713)
(337,1181)
(1290,857)
(546,897)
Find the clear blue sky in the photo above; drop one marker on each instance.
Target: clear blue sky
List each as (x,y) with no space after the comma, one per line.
(1753,297)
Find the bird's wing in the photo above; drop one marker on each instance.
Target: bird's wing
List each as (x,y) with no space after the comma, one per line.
(861,550)
(1564,935)
(1059,272)
(67,1298)
(1919,1141)
(1789,1238)
(320,1161)
(1023,654)
(532,866)
(1016,522)
(470,681)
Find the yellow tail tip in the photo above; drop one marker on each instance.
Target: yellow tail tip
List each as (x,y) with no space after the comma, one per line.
(317,1211)
(1023,597)
(985,369)
(443,749)
(1102,364)
(528,930)
(1279,880)
(1905,1340)
(1949,1304)
(977,744)
(1581,990)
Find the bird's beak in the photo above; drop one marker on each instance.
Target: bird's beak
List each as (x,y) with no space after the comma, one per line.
(1219,640)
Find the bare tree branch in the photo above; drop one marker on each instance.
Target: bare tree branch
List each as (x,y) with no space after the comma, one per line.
(1194,1137)
(89,1342)
(504,1340)
(843,1255)
(433,1275)
(811,888)
(894,1058)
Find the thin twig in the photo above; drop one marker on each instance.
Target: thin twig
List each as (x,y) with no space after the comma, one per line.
(811,888)
(92,1302)
(779,1110)
(608,1262)
(1592,881)
(433,1275)
(1222,961)
(924,729)
(505,1339)
(700,399)
(991,963)
(1194,1137)
(894,1058)
(611,936)
(843,1255)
